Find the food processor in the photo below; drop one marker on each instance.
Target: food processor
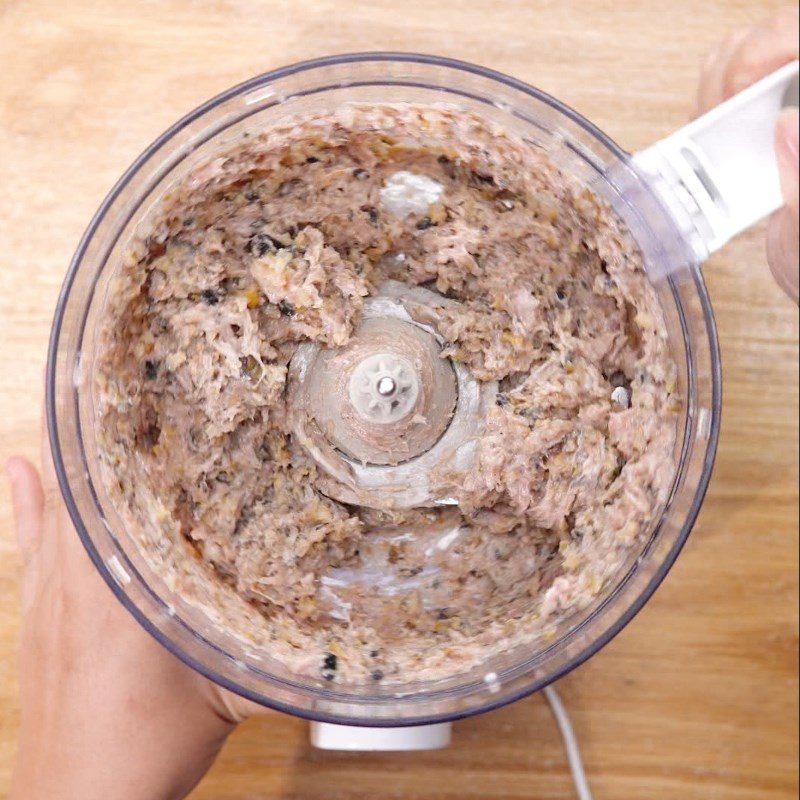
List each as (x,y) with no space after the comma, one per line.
(682,199)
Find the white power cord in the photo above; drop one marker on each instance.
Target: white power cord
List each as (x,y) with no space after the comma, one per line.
(570,743)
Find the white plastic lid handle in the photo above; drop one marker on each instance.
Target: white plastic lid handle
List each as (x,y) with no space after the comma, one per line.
(722,167)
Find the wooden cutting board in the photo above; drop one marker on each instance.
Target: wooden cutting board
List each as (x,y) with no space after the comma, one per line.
(697,698)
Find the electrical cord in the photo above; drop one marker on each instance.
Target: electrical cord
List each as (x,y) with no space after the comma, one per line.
(570,743)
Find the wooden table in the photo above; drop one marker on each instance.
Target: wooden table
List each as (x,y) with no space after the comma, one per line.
(697,698)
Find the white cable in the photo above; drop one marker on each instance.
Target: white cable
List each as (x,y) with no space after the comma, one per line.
(570,743)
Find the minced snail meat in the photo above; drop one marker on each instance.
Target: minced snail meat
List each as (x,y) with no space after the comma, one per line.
(285,242)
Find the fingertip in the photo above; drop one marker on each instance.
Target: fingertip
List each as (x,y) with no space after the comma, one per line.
(787,151)
(17,468)
(27,498)
(716,72)
(741,69)
(787,136)
(782,252)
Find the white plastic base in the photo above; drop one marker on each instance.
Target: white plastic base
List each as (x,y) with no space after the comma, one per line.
(326,736)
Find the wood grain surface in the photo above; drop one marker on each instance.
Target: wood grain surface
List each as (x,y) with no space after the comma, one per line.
(697,698)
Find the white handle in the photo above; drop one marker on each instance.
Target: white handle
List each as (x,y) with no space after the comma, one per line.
(721,168)
(326,736)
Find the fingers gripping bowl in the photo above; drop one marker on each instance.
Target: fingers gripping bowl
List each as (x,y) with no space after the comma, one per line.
(327,666)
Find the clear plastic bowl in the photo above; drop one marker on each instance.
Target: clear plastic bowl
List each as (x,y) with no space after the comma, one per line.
(581,150)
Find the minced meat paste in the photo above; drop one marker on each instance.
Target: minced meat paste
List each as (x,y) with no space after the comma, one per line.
(282,242)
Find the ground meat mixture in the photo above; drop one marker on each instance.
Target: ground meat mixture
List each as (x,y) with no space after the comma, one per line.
(280,241)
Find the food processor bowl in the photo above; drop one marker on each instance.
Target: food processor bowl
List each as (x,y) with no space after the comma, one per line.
(580,150)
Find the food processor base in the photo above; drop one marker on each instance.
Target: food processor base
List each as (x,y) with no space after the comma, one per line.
(327,736)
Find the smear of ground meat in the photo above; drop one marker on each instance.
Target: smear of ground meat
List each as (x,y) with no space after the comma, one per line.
(278,242)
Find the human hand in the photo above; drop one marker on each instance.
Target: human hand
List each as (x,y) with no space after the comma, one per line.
(106,712)
(738,62)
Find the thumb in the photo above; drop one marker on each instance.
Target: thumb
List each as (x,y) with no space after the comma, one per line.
(28,500)
(783,251)
(783,231)
(787,150)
